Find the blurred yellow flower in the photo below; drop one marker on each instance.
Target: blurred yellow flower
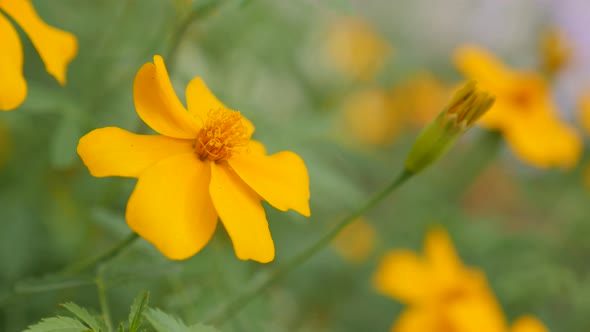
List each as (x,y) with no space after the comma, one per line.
(355,48)
(441,293)
(202,167)
(524,111)
(556,52)
(584,112)
(356,242)
(56,48)
(370,118)
(420,98)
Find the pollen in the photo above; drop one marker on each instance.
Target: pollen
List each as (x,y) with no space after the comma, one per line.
(224,133)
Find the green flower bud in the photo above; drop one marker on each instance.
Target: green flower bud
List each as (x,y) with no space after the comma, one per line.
(464,109)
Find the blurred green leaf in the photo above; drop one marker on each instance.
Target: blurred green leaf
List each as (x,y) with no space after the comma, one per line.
(65,141)
(163,322)
(83,314)
(137,309)
(58,324)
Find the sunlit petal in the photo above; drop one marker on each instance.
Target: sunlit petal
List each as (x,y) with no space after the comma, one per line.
(281,179)
(404,276)
(13,87)
(242,215)
(157,104)
(482,66)
(171,207)
(56,47)
(528,324)
(113,151)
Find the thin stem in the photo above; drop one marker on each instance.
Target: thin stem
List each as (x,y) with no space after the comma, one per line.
(242,300)
(102,298)
(102,258)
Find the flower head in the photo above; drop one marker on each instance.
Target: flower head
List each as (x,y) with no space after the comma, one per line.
(56,48)
(202,167)
(442,294)
(556,52)
(464,109)
(524,112)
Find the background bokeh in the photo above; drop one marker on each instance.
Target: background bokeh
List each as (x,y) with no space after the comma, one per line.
(527,228)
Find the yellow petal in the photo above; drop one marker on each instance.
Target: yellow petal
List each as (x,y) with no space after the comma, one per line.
(113,151)
(158,106)
(477,312)
(13,87)
(441,255)
(528,324)
(56,47)
(171,207)
(544,142)
(281,179)
(200,100)
(418,320)
(242,215)
(583,111)
(404,276)
(482,66)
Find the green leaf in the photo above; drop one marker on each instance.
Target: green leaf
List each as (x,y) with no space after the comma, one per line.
(58,324)
(137,309)
(164,322)
(83,314)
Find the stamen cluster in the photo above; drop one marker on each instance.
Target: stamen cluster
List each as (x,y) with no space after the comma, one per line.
(223,134)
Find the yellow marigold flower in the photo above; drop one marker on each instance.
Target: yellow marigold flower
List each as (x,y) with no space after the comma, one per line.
(356,48)
(556,52)
(524,112)
(370,118)
(356,241)
(56,48)
(442,294)
(202,167)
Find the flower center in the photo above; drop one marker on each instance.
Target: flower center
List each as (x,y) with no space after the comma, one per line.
(223,134)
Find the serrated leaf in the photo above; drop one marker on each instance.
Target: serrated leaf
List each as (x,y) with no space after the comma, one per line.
(137,308)
(164,322)
(83,315)
(58,324)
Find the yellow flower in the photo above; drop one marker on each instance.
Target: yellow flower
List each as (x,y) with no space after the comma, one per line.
(584,112)
(370,118)
(356,48)
(524,112)
(56,48)
(528,324)
(555,51)
(442,294)
(356,241)
(202,167)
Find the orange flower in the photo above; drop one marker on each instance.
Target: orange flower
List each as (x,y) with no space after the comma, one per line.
(442,294)
(523,112)
(202,167)
(356,241)
(56,48)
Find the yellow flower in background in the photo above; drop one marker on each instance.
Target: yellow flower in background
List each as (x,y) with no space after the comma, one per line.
(356,242)
(56,48)
(556,52)
(584,112)
(441,293)
(356,48)
(524,111)
(420,98)
(370,118)
(202,167)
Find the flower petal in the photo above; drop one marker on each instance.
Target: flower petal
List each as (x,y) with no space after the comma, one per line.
(13,87)
(171,207)
(416,319)
(528,324)
(482,66)
(56,47)
(242,215)
(281,179)
(158,106)
(112,151)
(441,255)
(404,276)
(477,312)
(200,100)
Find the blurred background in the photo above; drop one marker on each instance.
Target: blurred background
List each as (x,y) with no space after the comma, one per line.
(346,84)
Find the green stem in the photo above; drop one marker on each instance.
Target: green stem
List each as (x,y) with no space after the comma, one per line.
(102,298)
(242,300)
(102,258)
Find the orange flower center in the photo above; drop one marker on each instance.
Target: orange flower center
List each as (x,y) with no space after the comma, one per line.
(522,98)
(223,134)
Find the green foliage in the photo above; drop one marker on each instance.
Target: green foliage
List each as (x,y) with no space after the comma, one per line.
(137,311)
(83,315)
(58,324)
(164,322)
